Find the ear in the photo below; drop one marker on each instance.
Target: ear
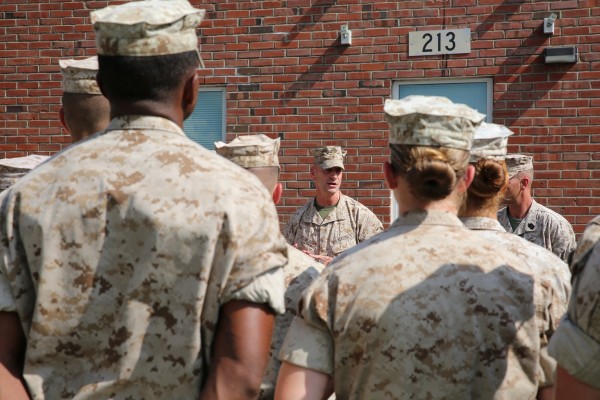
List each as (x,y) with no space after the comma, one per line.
(467,178)
(312,171)
(190,94)
(390,177)
(277,192)
(61,117)
(525,181)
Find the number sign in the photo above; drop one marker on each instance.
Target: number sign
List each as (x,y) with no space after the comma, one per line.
(451,41)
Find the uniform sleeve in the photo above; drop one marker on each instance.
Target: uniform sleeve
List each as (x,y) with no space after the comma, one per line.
(308,342)
(289,230)
(563,242)
(7,303)
(268,288)
(251,243)
(576,343)
(370,225)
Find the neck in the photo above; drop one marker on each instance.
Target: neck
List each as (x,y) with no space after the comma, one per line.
(520,208)
(407,203)
(147,107)
(487,211)
(328,199)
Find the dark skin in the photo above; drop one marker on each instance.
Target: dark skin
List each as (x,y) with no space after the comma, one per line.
(12,352)
(240,351)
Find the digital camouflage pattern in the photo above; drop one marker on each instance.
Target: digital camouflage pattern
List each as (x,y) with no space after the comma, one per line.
(300,271)
(516,163)
(431,121)
(329,157)
(119,252)
(13,169)
(490,142)
(576,343)
(79,76)
(251,151)
(147,28)
(348,224)
(425,310)
(550,270)
(543,227)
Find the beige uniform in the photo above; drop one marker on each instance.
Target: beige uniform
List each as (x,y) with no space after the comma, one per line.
(543,227)
(576,343)
(120,251)
(347,225)
(425,310)
(300,272)
(550,269)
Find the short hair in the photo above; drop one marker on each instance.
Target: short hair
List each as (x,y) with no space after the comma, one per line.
(85,114)
(269,176)
(489,183)
(432,173)
(131,78)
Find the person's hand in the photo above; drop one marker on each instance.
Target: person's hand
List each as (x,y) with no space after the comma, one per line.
(322,259)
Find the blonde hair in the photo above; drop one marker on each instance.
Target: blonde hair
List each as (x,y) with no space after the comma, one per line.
(431,172)
(490,182)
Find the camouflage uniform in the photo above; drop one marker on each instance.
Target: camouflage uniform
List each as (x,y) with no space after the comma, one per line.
(348,224)
(260,151)
(552,272)
(300,272)
(576,343)
(426,309)
(543,227)
(120,251)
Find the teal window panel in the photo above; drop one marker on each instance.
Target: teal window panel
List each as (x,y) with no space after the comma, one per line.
(206,125)
(476,95)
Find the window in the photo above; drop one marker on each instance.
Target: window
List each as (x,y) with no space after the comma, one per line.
(206,125)
(476,93)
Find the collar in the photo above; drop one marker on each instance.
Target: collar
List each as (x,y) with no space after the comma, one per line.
(482,224)
(144,122)
(427,217)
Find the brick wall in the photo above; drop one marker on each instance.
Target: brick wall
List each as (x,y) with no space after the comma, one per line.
(287,74)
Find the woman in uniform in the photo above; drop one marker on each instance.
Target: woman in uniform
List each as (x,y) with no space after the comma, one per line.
(427,309)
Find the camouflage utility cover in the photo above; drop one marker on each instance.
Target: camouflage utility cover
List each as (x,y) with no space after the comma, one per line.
(329,157)
(147,28)
(431,121)
(119,253)
(300,271)
(517,163)
(490,142)
(426,309)
(550,270)
(79,76)
(251,151)
(348,224)
(543,227)
(576,344)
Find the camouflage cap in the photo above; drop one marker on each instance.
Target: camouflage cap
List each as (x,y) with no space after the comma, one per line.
(251,151)
(79,76)
(431,121)
(147,28)
(517,163)
(329,156)
(490,142)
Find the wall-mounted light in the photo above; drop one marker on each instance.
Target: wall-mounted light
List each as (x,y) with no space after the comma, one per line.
(549,24)
(560,55)
(345,35)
